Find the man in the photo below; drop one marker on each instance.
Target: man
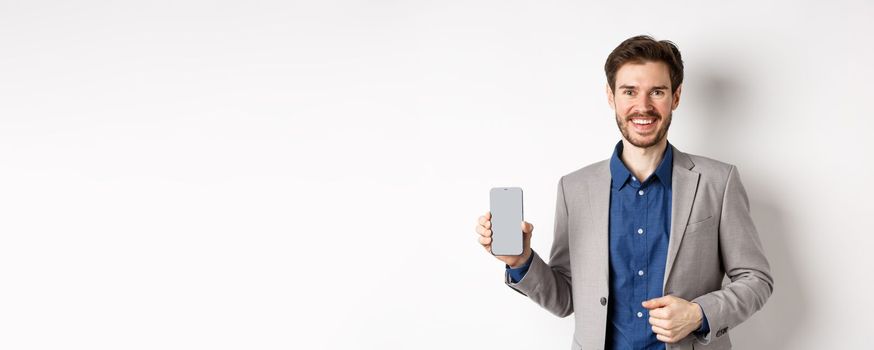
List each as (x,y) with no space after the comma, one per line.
(643,239)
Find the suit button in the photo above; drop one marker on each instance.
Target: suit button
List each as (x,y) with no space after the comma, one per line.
(603,301)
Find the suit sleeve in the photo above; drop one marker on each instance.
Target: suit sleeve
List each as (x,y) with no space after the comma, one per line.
(745,264)
(549,285)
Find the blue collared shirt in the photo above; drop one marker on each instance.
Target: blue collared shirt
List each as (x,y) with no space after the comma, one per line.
(640,219)
(640,226)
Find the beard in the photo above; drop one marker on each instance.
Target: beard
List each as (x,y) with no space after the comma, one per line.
(645,141)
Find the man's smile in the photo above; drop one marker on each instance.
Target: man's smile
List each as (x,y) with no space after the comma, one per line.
(643,125)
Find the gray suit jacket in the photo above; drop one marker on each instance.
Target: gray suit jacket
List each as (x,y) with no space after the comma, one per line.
(712,235)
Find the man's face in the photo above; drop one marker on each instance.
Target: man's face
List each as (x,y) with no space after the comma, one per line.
(643,102)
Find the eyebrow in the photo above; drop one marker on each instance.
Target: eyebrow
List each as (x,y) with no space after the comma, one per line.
(632,87)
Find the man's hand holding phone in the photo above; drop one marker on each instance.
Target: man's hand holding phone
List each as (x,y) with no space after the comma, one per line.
(483,228)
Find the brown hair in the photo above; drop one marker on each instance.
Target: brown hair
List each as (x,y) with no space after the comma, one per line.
(643,48)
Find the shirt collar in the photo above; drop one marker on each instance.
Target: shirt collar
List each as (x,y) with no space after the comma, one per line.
(666,168)
(620,173)
(618,170)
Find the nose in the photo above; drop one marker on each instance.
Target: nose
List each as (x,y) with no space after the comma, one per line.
(643,104)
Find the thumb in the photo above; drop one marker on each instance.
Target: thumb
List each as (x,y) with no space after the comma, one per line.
(527,228)
(657,302)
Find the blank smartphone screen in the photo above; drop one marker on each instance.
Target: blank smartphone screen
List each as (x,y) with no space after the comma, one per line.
(506,209)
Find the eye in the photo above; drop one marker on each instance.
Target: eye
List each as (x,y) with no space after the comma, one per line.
(658,93)
(627,92)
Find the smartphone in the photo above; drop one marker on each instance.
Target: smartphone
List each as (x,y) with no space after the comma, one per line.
(506,209)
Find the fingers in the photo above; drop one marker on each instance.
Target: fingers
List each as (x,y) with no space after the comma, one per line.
(483,228)
(662,324)
(485,221)
(484,225)
(483,231)
(661,313)
(668,319)
(658,302)
(485,240)
(485,218)
(660,330)
(666,339)
(667,335)
(664,334)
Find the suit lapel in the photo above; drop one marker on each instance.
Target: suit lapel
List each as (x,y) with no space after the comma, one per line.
(599,202)
(684,185)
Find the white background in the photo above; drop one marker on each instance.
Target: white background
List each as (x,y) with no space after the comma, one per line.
(307,174)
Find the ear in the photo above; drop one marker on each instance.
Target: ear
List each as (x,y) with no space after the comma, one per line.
(610,97)
(676,97)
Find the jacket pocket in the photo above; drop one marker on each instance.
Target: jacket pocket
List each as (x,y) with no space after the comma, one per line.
(701,224)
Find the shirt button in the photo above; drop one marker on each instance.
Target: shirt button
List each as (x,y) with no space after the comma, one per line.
(640,192)
(639,314)
(633,178)
(640,272)
(640,231)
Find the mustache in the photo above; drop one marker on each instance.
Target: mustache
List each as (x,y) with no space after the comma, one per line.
(653,114)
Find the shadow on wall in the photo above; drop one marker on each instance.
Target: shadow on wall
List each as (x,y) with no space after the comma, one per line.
(729,103)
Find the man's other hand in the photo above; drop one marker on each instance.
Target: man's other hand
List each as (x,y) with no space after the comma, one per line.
(672,318)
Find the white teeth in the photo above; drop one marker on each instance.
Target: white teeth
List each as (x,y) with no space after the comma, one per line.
(642,121)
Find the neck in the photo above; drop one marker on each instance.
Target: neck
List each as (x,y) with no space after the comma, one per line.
(642,162)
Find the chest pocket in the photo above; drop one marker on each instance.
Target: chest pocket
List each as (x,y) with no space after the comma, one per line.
(699,225)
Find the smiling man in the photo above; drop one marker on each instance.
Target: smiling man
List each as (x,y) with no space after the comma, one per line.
(643,239)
